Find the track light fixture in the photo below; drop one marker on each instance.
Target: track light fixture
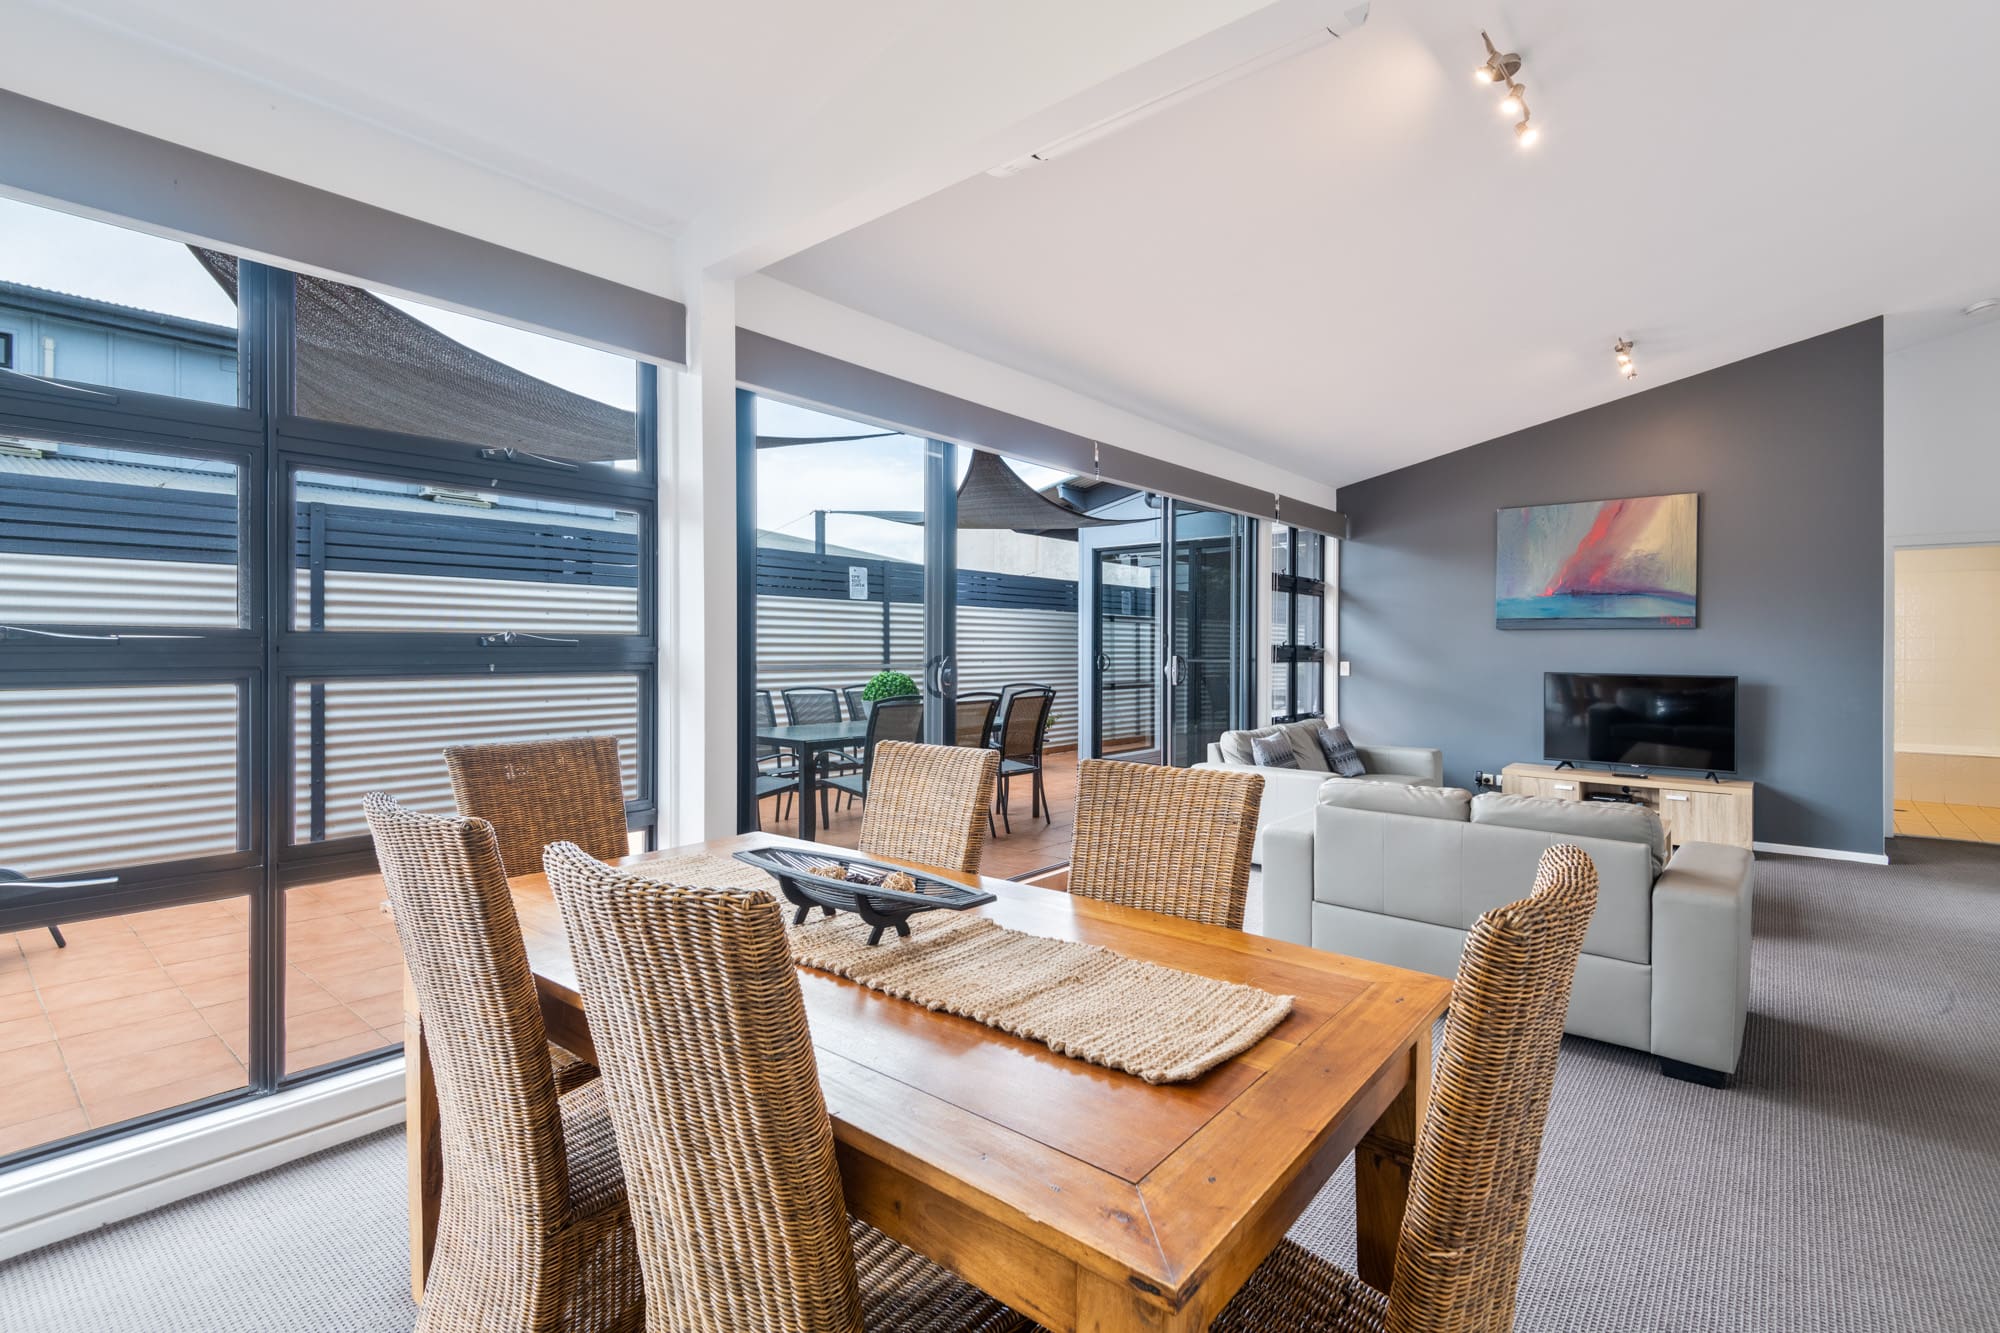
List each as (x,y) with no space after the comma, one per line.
(1501,67)
(1622,349)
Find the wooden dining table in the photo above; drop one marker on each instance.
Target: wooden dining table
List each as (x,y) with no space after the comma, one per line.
(1080,1196)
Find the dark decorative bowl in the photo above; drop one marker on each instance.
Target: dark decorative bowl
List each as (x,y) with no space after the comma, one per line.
(855,884)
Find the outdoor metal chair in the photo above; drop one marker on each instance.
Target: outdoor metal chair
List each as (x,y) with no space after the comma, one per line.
(774,761)
(899,719)
(1022,732)
(813,705)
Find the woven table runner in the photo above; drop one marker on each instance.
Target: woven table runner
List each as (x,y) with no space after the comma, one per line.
(1079,1000)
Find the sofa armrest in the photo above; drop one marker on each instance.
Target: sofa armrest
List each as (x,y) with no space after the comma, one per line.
(1701,955)
(1288,879)
(1411,759)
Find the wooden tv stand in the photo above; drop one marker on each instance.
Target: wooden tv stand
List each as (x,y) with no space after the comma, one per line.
(1693,809)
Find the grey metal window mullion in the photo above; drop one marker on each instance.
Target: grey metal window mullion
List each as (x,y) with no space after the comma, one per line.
(267,298)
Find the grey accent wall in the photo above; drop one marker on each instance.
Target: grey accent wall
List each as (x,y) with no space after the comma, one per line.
(1786,451)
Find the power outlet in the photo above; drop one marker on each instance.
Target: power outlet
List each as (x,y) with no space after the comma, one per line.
(1487,780)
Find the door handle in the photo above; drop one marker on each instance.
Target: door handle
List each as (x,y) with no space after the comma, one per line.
(1103,662)
(939,674)
(1173,668)
(1677,796)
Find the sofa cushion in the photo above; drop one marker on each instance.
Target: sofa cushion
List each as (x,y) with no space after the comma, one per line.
(1304,737)
(1301,736)
(1236,744)
(1341,756)
(1615,821)
(1273,752)
(1397,798)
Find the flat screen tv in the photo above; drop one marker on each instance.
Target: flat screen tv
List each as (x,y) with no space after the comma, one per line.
(1640,721)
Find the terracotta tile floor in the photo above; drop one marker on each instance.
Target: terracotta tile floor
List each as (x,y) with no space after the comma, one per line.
(1936,819)
(151,1010)
(1034,844)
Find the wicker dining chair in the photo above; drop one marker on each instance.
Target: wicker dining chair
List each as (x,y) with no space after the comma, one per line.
(928,803)
(715,1096)
(1170,840)
(534,793)
(533,1230)
(1458,1256)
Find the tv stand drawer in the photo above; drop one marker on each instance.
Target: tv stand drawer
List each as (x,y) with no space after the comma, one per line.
(1697,816)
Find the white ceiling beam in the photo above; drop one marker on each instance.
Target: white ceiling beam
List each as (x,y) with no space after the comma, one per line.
(1050,70)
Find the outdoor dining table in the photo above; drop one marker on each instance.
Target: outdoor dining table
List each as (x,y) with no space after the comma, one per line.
(1082,1197)
(809,740)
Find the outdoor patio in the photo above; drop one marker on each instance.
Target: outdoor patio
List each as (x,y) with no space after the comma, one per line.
(147,1011)
(1033,845)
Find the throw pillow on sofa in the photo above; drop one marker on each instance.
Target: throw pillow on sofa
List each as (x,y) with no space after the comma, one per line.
(1341,756)
(1273,752)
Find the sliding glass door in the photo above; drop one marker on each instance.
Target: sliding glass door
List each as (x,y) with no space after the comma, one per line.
(1171,605)
(1126,601)
(984,580)
(1208,650)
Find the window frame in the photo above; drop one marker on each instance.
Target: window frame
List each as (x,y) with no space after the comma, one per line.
(265,656)
(1288,654)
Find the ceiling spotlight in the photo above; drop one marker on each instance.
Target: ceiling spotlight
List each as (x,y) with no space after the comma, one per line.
(1500,67)
(1622,350)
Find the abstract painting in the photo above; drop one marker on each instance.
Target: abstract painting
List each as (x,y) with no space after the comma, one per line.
(1603,564)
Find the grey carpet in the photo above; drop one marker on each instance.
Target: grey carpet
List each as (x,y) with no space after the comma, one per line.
(1850,1180)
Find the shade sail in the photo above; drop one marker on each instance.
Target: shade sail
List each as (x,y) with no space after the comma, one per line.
(994,496)
(364,362)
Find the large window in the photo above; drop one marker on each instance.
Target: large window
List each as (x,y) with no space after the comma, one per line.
(245,579)
(1298,624)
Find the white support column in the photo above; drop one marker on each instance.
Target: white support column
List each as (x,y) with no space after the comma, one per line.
(698,704)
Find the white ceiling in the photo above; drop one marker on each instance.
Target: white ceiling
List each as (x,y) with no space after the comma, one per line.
(1344,263)
(1340,264)
(744,129)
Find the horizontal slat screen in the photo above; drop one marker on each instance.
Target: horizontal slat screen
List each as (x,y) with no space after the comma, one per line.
(98,778)
(88,590)
(390,735)
(416,603)
(804,641)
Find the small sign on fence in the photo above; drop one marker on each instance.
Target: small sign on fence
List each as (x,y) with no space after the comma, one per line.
(857,583)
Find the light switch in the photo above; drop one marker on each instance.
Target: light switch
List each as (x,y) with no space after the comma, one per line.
(1344,669)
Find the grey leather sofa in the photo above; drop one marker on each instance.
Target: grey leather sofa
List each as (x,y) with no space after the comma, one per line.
(1399,874)
(1289,792)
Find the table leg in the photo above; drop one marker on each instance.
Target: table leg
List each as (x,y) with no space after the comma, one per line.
(422,1145)
(1382,1166)
(808,760)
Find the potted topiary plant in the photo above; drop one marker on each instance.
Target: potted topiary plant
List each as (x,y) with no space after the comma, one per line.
(887,685)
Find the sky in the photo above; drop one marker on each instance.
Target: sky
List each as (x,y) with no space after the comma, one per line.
(45,248)
(796,480)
